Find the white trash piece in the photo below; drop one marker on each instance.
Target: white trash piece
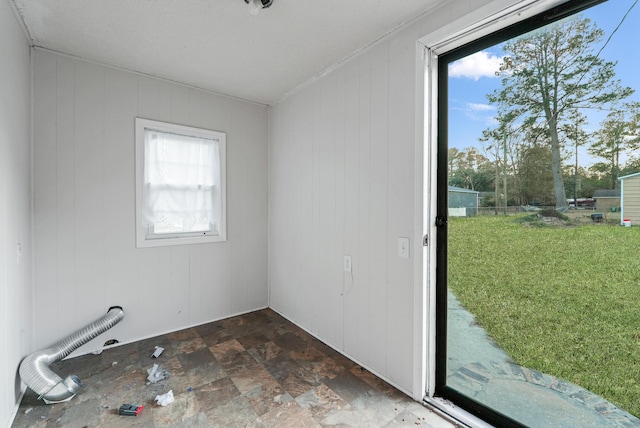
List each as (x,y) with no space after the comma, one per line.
(157,351)
(157,373)
(165,399)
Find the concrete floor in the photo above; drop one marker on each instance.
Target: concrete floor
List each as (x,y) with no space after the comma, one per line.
(255,370)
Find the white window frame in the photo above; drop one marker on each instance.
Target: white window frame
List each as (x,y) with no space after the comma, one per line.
(145,237)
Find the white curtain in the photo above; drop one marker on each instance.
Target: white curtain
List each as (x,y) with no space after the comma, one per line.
(181,182)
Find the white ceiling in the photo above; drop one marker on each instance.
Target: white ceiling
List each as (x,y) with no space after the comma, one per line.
(217,45)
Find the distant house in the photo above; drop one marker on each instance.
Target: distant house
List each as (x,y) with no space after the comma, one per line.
(607,199)
(630,198)
(462,202)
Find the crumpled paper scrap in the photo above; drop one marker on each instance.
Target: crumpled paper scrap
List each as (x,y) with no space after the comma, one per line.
(165,399)
(157,373)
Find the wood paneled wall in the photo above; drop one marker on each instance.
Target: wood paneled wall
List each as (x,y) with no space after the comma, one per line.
(16,294)
(84,184)
(344,180)
(348,139)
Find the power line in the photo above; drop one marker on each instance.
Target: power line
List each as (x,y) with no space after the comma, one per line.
(616,29)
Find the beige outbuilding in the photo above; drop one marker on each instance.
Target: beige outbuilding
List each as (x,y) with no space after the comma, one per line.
(630,198)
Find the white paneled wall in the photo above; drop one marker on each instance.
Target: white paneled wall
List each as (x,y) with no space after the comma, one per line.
(348,141)
(85,257)
(344,181)
(16,294)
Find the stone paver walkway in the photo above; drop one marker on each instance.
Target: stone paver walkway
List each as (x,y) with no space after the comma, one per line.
(481,370)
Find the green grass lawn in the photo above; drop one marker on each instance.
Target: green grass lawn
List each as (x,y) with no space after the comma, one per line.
(561,300)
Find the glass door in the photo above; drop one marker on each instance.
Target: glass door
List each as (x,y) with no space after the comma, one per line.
(536,310)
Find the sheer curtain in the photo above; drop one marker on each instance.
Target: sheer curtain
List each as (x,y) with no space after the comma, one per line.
(181,183)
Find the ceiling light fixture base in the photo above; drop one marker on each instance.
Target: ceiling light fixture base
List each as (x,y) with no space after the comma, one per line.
(256,5)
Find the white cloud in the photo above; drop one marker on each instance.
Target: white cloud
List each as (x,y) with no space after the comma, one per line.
(477,112)
(480,107)
(480,64)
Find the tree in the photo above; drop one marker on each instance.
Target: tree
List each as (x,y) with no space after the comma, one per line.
(591,180)
(496,142)
(537,182)
(454,157)
(574,130)
(550,72)
(631,167)
(616,135)
(514,151)
(469,169)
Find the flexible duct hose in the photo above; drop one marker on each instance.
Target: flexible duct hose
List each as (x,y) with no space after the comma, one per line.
(35,371)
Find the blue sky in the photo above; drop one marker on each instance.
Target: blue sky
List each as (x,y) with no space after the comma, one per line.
(473,77)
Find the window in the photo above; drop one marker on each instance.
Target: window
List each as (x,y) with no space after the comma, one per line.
(180,184)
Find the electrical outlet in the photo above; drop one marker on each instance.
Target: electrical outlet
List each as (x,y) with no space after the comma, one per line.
(19,252)
(347,263)
(403,248)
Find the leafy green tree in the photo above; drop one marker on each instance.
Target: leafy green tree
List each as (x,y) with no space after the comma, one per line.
(469,169)
(496,142)
(454,157)
(591,179)
(631,167)
(473,180)
(577,137)
(535,172)
(523,159)
(617,135)
(550,72)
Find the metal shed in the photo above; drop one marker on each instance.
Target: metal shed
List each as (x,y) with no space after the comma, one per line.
(630,198)
(462,202)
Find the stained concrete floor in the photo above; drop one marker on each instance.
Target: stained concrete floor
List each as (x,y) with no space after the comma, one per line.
(255,370)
